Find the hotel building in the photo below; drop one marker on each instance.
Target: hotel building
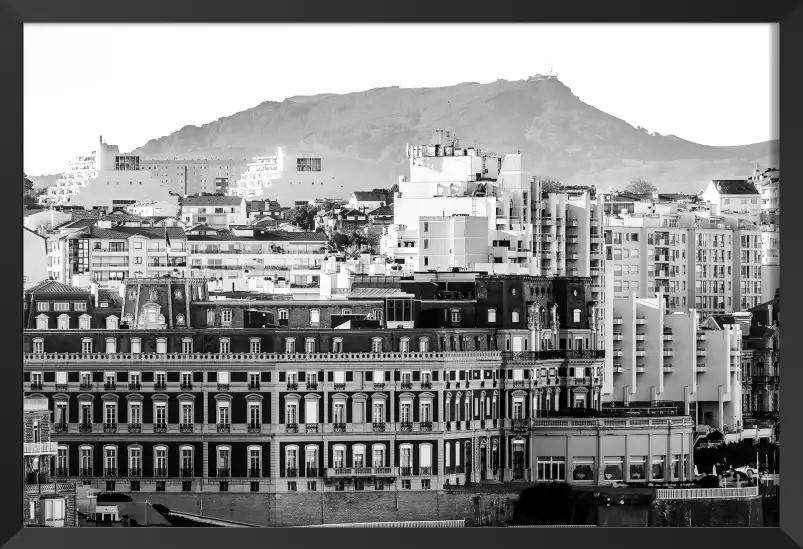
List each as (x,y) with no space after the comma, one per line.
(412,383)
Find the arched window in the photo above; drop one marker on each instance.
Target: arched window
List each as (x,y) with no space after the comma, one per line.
(309,345)
(186,456)
(112,322)
(337,345)
(223,453)
(311,461)
(358,456)
(225,345)
(425,459)
(42,322)
(423,344)
(404,345)
(84,322)
(254,461)
(376,345)
(64,322)
(378,455)
(291,461)
(160,461)
(290,345)
(406,459)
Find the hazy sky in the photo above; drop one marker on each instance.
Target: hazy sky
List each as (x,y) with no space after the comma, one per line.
(711,83)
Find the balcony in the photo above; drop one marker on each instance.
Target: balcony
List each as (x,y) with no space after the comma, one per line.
(109,427)
(618,320)
(223,472)
(667,337)
(186,472)
(641,337)
(134,387)
(641,320)
(339,427)
(186,428)
(618,369)
(61,386)
(618,337)
(254,427)
(292,386)
(36,386)
(405,471)
(84,427)
(134,472)
(669,352)
(641,352)
(617,352)
(33,448)
(425,425)
(60,427)
(62,472)
(520,425)
(378,426)
(700,369)
(291,428)
(291,472)
(379,386)
(406,385)
(253,386)
(426,385)
(641,369)
(668,369)
(311,427)
(109,387)
(406,426)
(312,386)
(160,428)
(222,386)
(223,427)
(110,472)
(311,472)
(134,427)
(362,472)
(85,386)
(254,472)
(160,386)
(186,386)
(160,472)
(702,352)
(85,472)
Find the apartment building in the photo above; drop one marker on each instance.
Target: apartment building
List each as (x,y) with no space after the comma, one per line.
(734,196)
(240,253)
(423,382)
(106,254)
(215,211)
(46,501)
(671,358)
(696,260)
(196,175)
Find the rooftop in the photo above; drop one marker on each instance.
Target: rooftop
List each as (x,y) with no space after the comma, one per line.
(368,196)
(216,200)
(53,287)
(259,235)
(735,186)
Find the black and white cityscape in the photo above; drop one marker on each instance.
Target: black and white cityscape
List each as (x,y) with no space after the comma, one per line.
(533,282)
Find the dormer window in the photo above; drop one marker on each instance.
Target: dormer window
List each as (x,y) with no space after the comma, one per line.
(112,322)
(256,345)
(84,322)
(42,322)
(284,314)
(64,322)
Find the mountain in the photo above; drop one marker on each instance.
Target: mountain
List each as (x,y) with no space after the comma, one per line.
(562,137)
(44,181)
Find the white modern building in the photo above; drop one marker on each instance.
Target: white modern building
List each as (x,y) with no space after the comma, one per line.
(215,211)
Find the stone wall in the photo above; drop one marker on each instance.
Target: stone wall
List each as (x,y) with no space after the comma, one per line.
(300,509)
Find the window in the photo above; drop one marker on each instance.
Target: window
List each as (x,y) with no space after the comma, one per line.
(225,345)
(291,413)
(109,413)
(658,468)
(315,318)
(225,317)
(576,316)
(455,315)
(309,345)
(583,468)
(491,315)
(613,468)
(64,322)
(346,311)
(404,345)
(377,314)
(551,468)
(290,345)
(256,345)
(54,509)
(378,455)
(86,345)
(111,345)
(161,346)
(42,306)
(254,416)
(223,459)
(38,345)
(135,413)
(675,466)
(638,467)
(112,322)
(423,345)
(42,322)
(337,345)
(186,413)
(376,345)
(223,412)
(160,417)
(514,316)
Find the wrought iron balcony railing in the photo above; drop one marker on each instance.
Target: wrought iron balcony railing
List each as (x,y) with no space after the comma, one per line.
(313,385)
(134,472)
(312,472)
(134,427)
(406,426)
(160,427)
(254,427)
(186,386)
(84,427)
(253,386)
(160,472)
(86,386)
(406,384)
(186,428)
(134,386)
(109,386)
(159,386)
(60,427)
(426,425)
(426,385)
(292,386)
(339,386)
(340,427)
(61,386)
(378,426)
(379,386)
(291,472)
(425,471)
(85,472)
(110,472)
(36,386)
(253,473)
(291,427)
(312,427)
(222,386)
(223,472)
(223,427)
(109,427)
(186,472)
(62,472)
(406,471)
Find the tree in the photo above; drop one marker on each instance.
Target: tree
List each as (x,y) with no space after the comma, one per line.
(29,192)
(303,217)
(640,186)
(549,185)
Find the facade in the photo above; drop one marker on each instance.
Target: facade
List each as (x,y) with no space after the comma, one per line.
(216,211)
(34,250)
(151,208)
(420,382)
(107,254)
(734,196)
(46,501)
(197,175)
(449,242)
(668,357)
(700,261)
